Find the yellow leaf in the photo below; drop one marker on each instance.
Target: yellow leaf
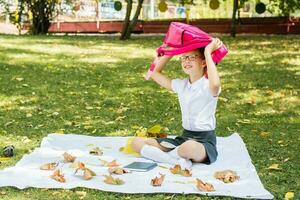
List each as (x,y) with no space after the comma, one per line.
(4,158)
(289,195)
(154,129)
(274,167)
(264,134)
(127,149)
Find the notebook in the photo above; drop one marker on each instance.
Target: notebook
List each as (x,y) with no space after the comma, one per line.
(140,166)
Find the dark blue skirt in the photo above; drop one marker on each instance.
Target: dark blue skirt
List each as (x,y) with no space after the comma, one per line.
(207,138)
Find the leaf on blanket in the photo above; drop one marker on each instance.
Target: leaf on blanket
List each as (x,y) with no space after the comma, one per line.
(157,181)
(205,187)
(109,164)
(49,166)
(96,151)
(68,157)
(113,181)
(227,176)
(58,176)
(117,170)
(183,172)
(87,173)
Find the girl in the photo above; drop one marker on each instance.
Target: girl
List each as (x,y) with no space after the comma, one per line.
(197,96)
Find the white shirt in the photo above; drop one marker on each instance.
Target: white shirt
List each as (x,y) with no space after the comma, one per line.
(198,105)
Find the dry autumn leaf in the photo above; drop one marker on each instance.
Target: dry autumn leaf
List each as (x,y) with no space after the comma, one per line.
(227,176)
(109,164)
(274,167)
(183,172)
(96,151)
(113,181)
(289,195)
(68,157)
(157,181)
(87,173)
(117,170)
(58,176)
(205,187)
(49,166)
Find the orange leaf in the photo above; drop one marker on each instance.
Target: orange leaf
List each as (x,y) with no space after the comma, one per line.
(206,187)
(109,164)
(177,170)
(58,176)
(113,181)
(117,170)
(227,176)
(88,174)
(49,166)
(157,181)
(68,157)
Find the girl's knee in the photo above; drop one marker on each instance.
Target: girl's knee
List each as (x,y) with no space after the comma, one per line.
(137,144)
(192,150)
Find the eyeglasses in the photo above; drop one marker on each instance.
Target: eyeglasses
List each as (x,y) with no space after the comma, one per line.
(190,58)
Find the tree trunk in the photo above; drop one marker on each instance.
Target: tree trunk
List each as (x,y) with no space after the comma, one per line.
(234,21)
(126,20)
(134,19)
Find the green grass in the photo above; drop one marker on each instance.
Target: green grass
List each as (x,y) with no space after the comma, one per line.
(94,86)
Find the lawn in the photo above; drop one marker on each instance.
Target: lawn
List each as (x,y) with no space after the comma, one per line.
(94,86)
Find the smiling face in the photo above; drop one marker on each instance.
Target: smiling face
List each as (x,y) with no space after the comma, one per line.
(193,62)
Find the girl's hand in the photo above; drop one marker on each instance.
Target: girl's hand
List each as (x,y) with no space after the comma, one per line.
(213,45)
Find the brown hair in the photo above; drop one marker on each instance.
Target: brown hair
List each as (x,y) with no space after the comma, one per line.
(201,50)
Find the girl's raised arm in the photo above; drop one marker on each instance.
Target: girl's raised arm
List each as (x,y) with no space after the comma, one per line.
(157,75)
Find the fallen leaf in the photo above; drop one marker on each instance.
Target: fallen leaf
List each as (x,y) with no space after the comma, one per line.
(3,193)
(49,166)
(177,170)
(82,194)
(227,176)
(68,157)
(19,79)
(58,176)
(96,151)
(113,181)
(289,195)
(264,134)
(206,187)
(88,174)
(4,158)
(109,164)
(287,159)
(117,170)
(274,167)
(157,181)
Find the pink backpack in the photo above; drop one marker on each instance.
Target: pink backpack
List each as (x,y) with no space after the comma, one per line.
(183,38)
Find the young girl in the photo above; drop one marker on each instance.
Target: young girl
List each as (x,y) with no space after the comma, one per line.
(197,96)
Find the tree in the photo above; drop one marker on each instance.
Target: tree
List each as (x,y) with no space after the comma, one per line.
(283,7)
(128,25)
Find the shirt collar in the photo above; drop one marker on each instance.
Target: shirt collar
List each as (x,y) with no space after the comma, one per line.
(196,84)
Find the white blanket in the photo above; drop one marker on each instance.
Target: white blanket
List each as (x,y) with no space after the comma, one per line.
(232,155)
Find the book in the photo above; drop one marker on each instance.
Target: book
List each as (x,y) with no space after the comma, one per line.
(140,166)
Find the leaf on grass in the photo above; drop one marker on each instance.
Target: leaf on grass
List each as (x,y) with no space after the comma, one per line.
(274,167)
(49,166)
(157,181)
(205,187)
(96,151)
(68,157)
(82,194)
(2,193)
(58,176)
(227,176)
(109,164)
(113,181)
(289,195)
(183,172)
(117,170)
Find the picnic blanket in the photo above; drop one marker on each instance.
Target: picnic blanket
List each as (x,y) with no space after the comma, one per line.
(233,155)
